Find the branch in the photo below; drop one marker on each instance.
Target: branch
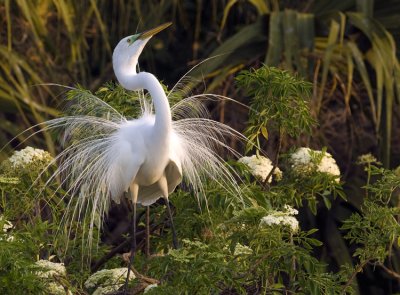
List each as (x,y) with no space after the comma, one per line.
(353,275)
(394,274)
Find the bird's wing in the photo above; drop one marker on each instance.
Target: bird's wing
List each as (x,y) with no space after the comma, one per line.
(173,172)
(126,155)
(124,166)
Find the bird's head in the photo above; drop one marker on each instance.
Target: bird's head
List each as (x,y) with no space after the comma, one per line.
(127,51)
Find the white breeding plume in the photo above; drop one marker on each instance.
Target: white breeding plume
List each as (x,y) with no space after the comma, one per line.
(107,154)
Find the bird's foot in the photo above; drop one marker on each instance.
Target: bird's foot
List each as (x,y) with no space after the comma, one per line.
(129,257)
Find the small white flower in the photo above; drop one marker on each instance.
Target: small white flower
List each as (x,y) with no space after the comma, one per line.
(28,155)
(149,287)
(302,162)
(242,250)
(107,280)
(260,167)
(285,218)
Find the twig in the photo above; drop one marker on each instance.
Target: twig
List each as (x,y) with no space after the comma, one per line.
(353,275)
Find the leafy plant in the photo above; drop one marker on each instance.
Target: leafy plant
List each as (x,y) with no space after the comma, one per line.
(375,230)
(279,101)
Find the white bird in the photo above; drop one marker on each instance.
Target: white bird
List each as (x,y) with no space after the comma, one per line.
(145,151)
(149,156)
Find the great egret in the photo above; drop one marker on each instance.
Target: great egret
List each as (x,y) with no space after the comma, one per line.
(149,156)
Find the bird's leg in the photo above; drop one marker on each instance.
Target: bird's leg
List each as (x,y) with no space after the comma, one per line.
(134,188)
(162,183)
(174,238)
(147,231)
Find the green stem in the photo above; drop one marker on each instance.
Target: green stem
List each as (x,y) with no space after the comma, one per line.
(368,179)
(275,165)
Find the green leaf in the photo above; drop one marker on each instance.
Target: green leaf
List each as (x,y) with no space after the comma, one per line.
(261,5)
(264,132)
(227,9)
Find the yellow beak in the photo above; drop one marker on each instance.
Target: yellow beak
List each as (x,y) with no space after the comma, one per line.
(152,32)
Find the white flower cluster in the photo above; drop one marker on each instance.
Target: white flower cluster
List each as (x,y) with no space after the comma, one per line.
(260,167)
(282,218)
(107,280)
(52,271)
(52,268)
(242,250)
(302,161)
(28,155)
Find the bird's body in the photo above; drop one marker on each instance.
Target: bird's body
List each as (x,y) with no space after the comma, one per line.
(144,158)
(138,135)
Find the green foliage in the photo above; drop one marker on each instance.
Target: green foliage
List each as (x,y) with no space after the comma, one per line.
(228,249)
(17,268)
(279,101)
(214,269)
(376,230)
(298,190)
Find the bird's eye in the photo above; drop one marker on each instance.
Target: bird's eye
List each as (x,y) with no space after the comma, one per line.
(129,41)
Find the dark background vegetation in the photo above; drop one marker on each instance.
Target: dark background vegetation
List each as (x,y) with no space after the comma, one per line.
(347,49)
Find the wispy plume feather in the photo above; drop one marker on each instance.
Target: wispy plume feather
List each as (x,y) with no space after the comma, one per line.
(90,167)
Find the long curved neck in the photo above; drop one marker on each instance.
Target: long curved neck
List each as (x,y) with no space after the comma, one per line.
(144,80)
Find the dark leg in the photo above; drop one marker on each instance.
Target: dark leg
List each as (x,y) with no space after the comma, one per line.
(147,231)
(174,238)
(133,247)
